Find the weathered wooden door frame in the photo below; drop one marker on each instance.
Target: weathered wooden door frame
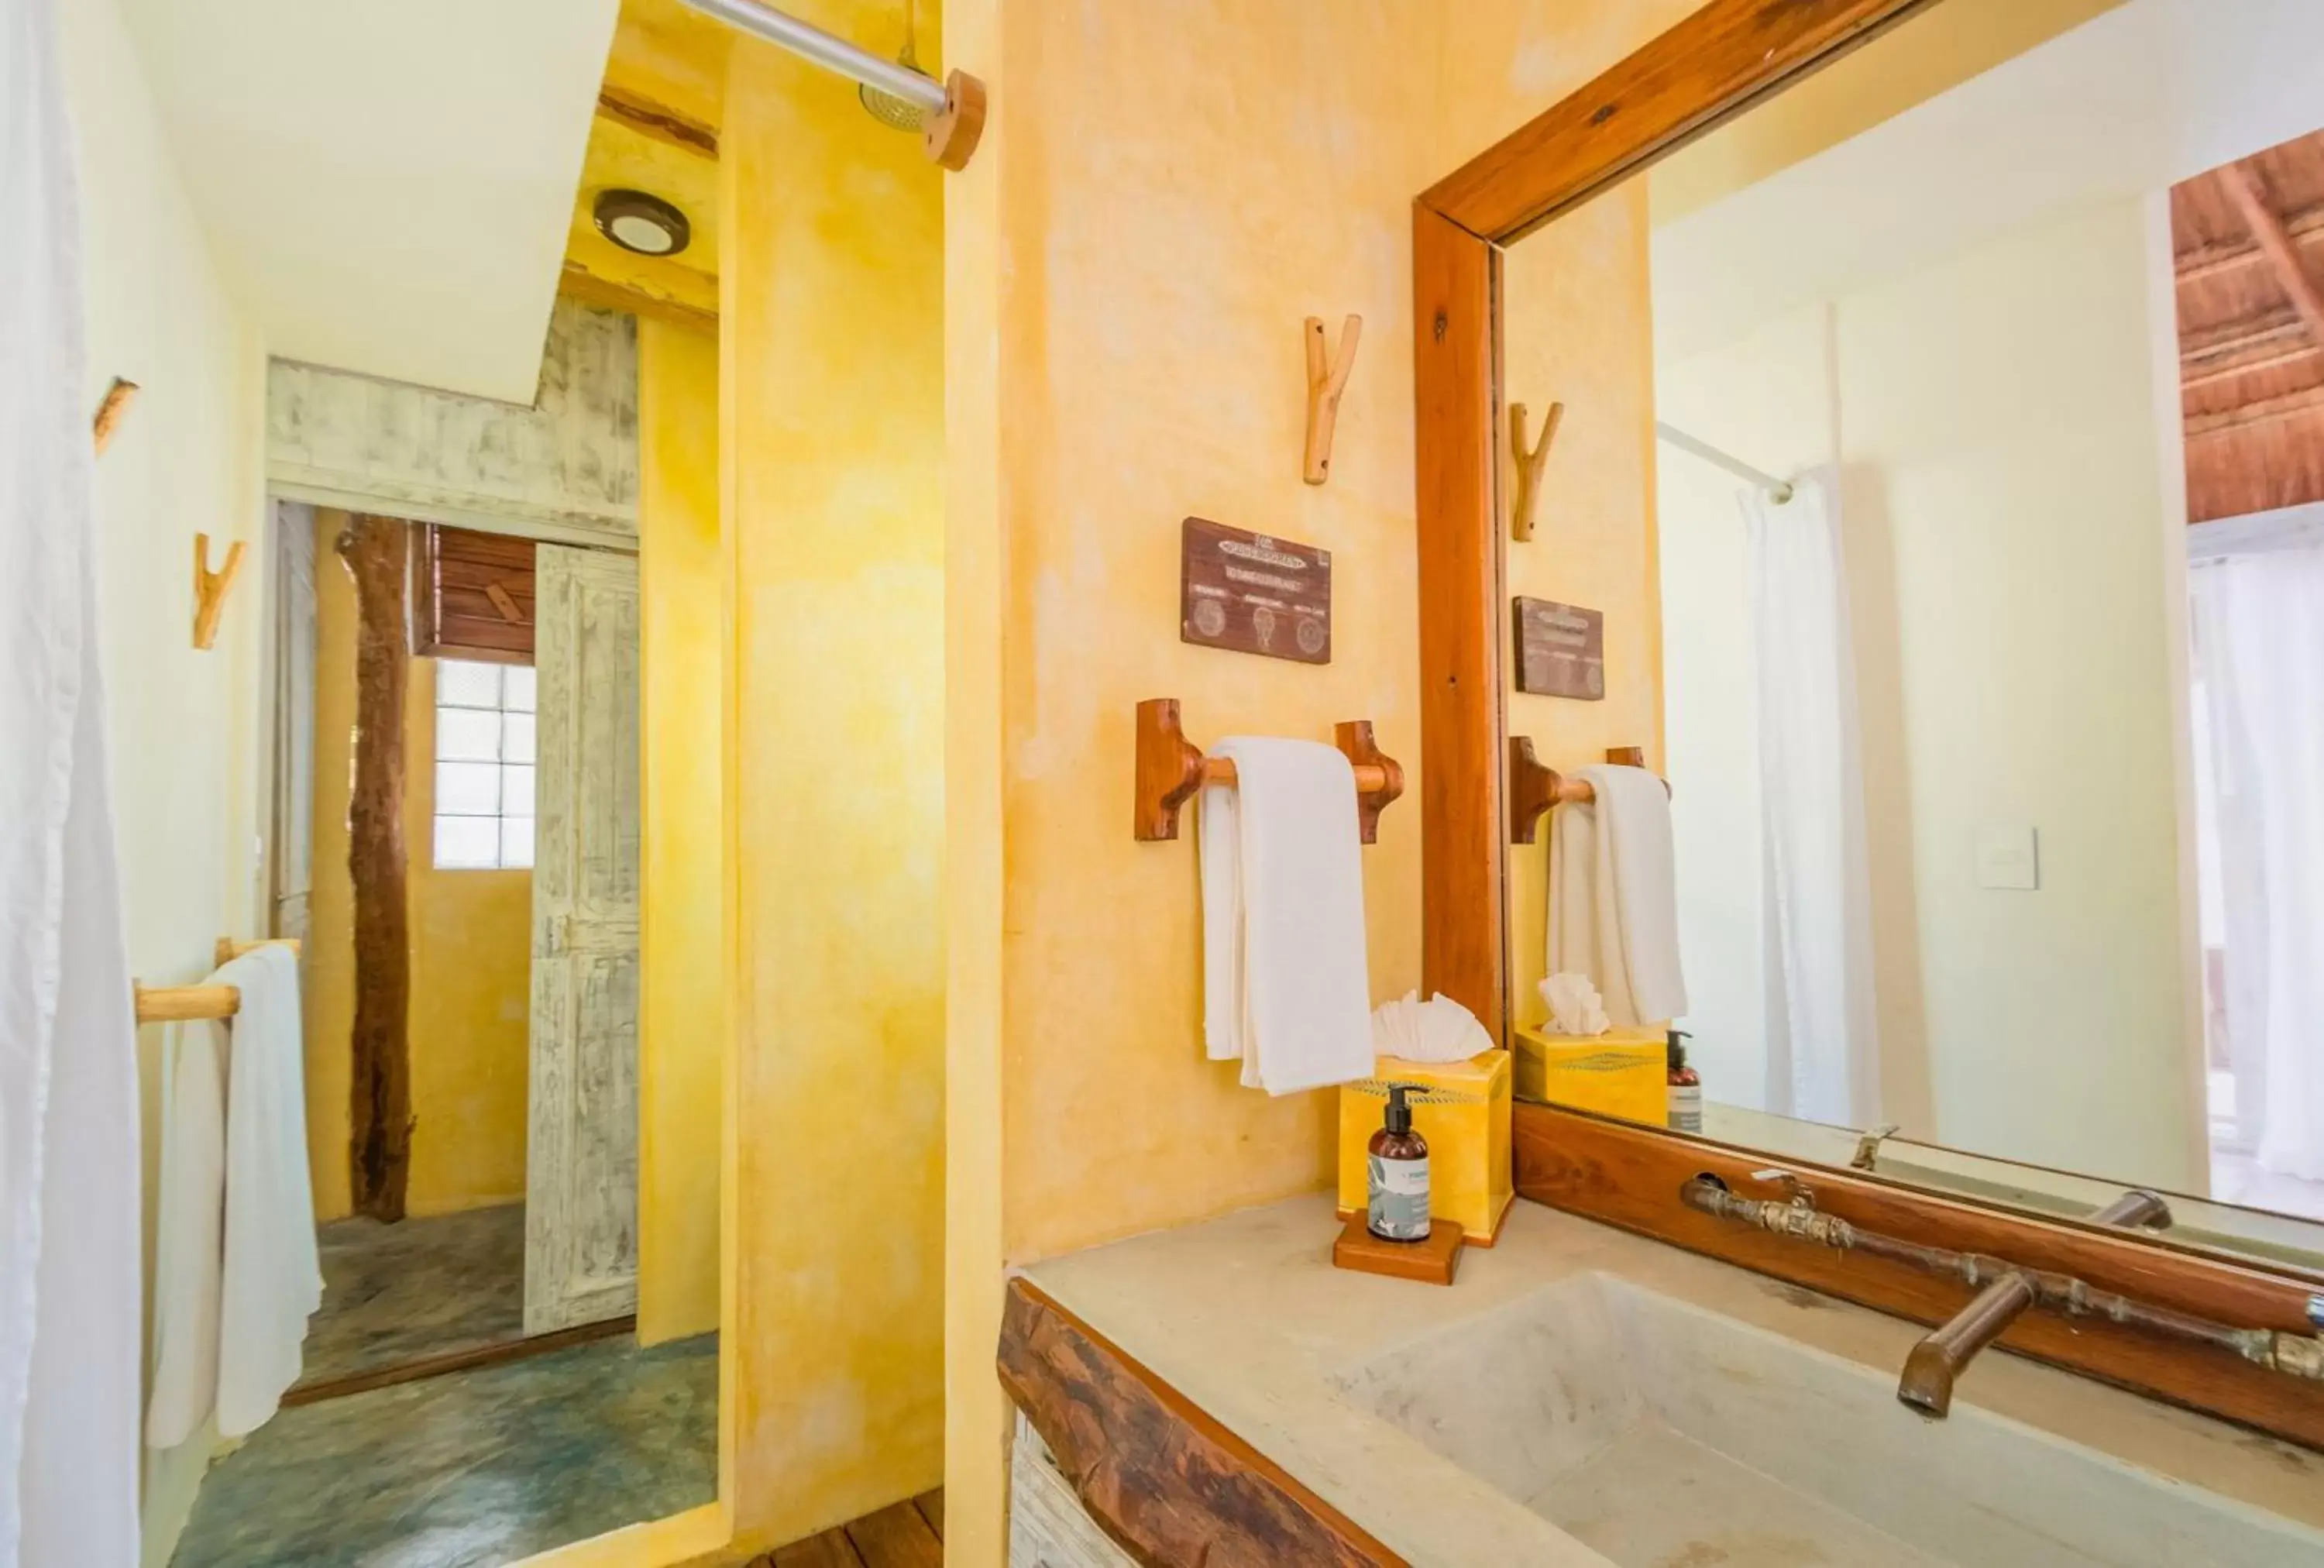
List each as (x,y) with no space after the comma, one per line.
(1720,60)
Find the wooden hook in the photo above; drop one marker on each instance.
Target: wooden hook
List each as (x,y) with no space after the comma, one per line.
(1327,378)
(210,588)
(1531,461)
(114,404)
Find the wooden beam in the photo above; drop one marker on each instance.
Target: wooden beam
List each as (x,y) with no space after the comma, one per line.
(2305,226)
(578,283)
(1724,56)
(377,553)
(2267,411)
(1157,1473)
(663,124)
(2243,187)
(1455,277)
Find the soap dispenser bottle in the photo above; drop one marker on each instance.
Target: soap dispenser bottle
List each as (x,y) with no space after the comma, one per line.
(1685,1113)
(1398,1165)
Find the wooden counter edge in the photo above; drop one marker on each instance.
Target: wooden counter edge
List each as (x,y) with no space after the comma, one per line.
(1172,1487)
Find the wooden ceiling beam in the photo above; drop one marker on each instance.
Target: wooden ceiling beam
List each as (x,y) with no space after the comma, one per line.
(660,122)
(2305,226)
(2243,187)
(2267,411)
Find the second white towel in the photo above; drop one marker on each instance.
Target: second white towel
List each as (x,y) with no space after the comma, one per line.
(1286,986)
(1613,897)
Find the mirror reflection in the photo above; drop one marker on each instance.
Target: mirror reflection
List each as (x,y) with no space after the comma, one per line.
(1972,395)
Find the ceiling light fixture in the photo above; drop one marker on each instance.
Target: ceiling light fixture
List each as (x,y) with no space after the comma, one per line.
(638,222)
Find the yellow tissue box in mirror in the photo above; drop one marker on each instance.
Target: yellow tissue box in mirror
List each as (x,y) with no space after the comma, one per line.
(1622,1073)
(1463,1112)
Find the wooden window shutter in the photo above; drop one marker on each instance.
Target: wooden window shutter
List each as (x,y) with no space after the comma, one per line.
(476,595)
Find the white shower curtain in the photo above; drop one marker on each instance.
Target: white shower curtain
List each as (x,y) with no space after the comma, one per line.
(2259,625)
(1823,1054)
(69,1296)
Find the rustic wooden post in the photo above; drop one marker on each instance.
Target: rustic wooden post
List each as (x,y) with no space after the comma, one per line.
(377,553)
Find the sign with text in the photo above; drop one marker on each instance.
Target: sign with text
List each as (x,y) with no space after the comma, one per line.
(1561,649)
(1253,593)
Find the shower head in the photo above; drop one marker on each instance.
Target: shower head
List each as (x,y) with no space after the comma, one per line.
(897,113)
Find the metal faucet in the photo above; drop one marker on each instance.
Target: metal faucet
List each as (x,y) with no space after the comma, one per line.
(1934,1364)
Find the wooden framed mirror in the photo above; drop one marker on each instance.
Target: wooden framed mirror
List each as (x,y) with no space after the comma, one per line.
(2016,1065)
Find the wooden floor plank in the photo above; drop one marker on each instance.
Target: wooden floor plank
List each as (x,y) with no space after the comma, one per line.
(829,1550)
(897,1537)
(931,1506)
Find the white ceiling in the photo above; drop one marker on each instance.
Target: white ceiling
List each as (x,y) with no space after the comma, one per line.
(387,183)
(2143,97)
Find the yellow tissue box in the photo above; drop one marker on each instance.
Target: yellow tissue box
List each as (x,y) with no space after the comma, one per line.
(1463,1112)
(1623,1072)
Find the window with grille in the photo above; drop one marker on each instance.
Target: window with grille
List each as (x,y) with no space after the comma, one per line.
(483,765)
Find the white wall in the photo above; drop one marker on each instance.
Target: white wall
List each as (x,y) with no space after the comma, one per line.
(185,727)
(1994,417)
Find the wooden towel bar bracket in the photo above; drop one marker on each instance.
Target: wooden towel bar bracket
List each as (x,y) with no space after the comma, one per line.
(169,1004)
(1171,768)
(1534,787)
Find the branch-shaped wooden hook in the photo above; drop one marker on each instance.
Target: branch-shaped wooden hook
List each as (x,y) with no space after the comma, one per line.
(1327,378)
(210,588)
(1531,461)
(114,404)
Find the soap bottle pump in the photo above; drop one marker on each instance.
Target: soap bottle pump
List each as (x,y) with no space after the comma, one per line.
(1686,1108)
(1398,1167)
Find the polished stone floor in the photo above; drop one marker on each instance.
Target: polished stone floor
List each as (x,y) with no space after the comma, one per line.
(472,1470)
(418,1289)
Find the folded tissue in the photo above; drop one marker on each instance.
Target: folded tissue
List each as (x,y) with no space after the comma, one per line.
(1575,1007)
(1439,1029)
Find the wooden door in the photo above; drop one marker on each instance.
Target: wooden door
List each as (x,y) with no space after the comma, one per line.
(290,831)
(581,1163)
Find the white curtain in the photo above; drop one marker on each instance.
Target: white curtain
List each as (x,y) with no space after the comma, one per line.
(1823,1053)
(2259,626)
(69,1296)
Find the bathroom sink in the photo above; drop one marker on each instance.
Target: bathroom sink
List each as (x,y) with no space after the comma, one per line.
(1664,1436)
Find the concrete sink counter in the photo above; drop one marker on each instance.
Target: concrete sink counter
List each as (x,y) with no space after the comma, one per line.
(1585,1397)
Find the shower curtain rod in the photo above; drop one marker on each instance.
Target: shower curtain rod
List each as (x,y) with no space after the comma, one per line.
(955,106)
(1779,491)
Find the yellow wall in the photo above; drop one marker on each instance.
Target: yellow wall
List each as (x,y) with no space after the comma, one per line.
(830,405)
(681,1007)
(1159,202)
(186,728)
(471,962)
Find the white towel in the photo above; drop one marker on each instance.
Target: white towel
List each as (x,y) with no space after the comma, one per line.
(189,1235)
(236,1274)
(1613,897)
(1286,987)
(272,1278)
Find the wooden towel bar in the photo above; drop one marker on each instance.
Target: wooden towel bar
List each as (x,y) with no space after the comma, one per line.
(1534,787)
(1171,768)
(169,1004)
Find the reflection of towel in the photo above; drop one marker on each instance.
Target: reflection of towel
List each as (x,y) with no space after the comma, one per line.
(273,1279)
(1285,984)
(1613,898)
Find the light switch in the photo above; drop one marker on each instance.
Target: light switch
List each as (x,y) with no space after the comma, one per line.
(2008,856)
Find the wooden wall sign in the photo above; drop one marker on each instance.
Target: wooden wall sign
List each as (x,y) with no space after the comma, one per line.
(1560,649)
(1253,593)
